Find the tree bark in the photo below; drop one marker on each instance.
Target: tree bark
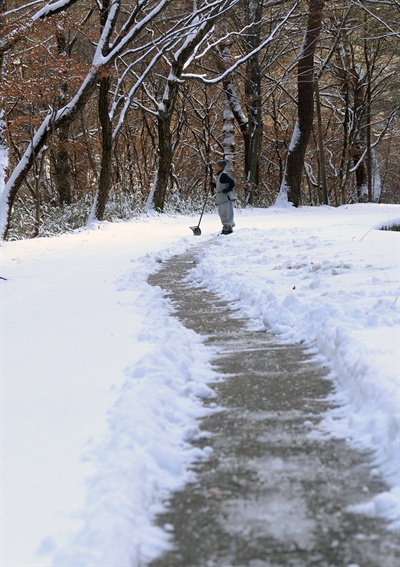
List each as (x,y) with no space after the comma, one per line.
(323,191)
(291,185)
(223,61)
(254,100)
(106,149)
(62,161)
(62,167)
(164,151)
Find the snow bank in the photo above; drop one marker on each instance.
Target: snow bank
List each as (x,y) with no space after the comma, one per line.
(332,284)
(147,451)
(101,391)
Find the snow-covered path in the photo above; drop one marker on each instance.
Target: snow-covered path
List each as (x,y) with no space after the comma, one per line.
(274,491)
(101,387)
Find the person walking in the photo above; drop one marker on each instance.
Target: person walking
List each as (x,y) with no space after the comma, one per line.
(225,194)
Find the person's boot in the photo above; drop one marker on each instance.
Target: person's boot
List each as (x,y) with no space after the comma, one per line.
(226,229)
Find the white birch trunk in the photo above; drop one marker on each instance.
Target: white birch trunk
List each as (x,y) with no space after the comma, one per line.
(150,199)
(228,141)
(3,169)
(376,178)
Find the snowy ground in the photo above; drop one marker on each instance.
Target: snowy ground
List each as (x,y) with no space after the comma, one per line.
(101,387)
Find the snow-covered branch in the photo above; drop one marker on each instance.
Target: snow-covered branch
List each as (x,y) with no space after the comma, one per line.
(248,56)
(121,45)
(375,16)
(13,37)
(53,8)
(389,120)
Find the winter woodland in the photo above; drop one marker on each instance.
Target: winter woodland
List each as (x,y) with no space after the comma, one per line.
(107,102)
(112,109)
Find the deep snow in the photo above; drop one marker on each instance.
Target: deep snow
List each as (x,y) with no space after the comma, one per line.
(102,387)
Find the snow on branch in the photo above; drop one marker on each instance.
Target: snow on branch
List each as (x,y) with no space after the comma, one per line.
(377,18)
(54,8)
(102,46)
(389,121)
(20,8)
(128,38)
(247,56)
(133,90)
(10,39)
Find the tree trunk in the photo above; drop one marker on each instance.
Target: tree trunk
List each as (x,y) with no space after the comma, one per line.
(3,143)
(254,100)
(323,192)
(223,60)
(368,121)
(290,189)
(106,150)
(228,142)
(359,140)
(3,150)
(346,77)
(164,153)
(62,167)
(361,175)
(62,161)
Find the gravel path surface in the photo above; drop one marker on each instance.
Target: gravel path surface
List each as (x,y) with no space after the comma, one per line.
(273,493)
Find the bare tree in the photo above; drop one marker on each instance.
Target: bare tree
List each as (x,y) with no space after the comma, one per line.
(253,91)
(165,70)
(101,62)
(360,99)
(199,24)
(290,189)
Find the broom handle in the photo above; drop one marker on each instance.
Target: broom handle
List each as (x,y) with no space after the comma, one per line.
(202,210)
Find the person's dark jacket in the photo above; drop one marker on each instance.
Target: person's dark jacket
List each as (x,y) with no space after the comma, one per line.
(224,188)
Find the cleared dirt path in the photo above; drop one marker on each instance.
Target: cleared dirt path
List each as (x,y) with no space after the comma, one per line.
(271,494)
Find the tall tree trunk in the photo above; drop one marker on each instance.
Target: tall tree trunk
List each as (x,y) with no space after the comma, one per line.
(323,188)
(62,168)
(368,119)
(254,99)
(346,77)
(106,150)
(164,151)
(228,143)
(224,61)
(290,189)
(3,151)
(360,140)
(62,161)
(361,175)
(228,135)
(376,178)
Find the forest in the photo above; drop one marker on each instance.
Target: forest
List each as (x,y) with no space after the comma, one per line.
(110,108)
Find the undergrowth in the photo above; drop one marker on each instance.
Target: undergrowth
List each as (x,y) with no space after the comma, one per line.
(56,220)
(395,227)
